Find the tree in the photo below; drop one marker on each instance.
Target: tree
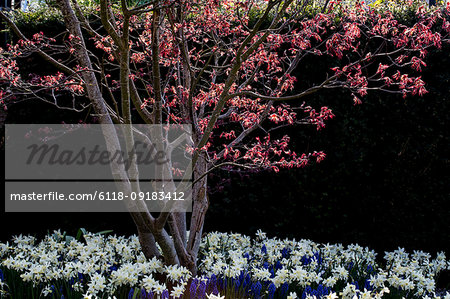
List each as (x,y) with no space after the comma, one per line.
(226,68)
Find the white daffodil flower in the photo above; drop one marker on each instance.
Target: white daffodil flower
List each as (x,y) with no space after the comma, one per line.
(212,296)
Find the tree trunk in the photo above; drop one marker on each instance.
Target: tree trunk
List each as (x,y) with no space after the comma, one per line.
(147,241)
(176,250)
(143,221)
(200,206)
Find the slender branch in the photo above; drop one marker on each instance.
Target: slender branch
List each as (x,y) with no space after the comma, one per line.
(44,55)
(211,169)
(105,17)
(309,91)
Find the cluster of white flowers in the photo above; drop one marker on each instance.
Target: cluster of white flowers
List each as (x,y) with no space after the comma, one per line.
(304,263)
(100,266)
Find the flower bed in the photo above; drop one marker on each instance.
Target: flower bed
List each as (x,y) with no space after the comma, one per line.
(230,265)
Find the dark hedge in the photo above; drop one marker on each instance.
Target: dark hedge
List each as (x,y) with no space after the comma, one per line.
(384,182)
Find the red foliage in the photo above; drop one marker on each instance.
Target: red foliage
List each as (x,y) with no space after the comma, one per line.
(210,58)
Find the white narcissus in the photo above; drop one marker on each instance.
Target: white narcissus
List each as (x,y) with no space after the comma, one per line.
(212,296)
(292,295)
(299,264)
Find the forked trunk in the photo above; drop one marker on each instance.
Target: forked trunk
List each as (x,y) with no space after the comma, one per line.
(179,250)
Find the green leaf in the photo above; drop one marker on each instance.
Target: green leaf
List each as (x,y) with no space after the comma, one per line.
(80,233)
(136,292)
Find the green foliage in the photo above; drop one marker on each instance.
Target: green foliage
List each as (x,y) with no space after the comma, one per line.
(44,18)
(47,18)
